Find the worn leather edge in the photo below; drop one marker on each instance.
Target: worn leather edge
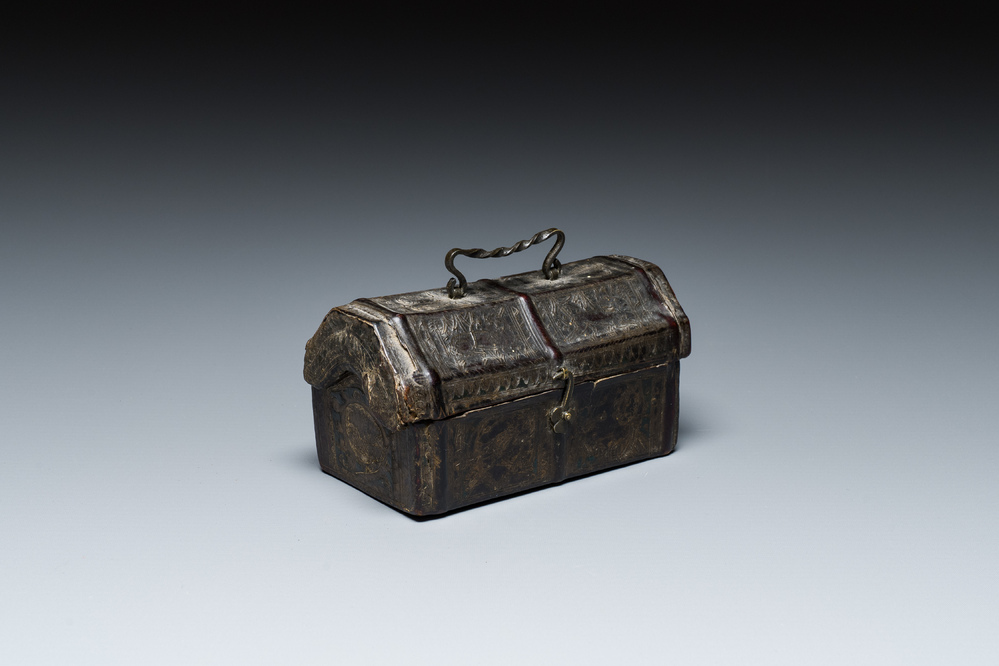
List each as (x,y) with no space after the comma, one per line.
(349,344)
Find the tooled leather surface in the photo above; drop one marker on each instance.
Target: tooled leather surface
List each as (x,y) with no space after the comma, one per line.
(423,356)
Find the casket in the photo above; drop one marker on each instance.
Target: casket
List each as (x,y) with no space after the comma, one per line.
(434,400)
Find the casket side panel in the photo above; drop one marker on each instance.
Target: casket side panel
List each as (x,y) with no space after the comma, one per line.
(352,445)
(500,450)
(623,419)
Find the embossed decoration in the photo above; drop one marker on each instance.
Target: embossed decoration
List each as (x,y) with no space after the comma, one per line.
(360,442)
(431,401)
(472,340)
(495,451)
(591,315)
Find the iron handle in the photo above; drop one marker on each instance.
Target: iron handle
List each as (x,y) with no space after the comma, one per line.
(550,266)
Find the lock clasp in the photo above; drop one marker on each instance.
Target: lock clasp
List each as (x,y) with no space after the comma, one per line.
(560,415)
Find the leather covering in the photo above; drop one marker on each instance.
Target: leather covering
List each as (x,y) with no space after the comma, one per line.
(423,356)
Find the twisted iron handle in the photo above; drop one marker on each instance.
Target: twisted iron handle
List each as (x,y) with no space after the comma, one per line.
(550,266)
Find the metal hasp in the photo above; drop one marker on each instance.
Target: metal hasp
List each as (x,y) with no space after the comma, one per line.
(435,400)
(560,415)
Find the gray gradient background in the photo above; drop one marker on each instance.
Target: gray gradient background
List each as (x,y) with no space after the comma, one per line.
(177,217)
